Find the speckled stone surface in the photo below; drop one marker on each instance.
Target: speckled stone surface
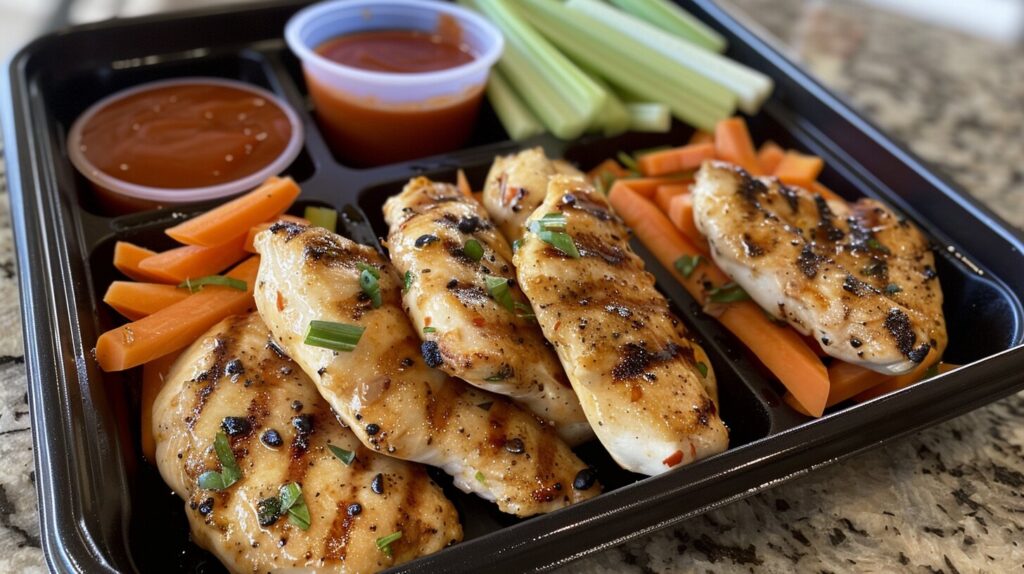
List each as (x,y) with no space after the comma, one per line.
(946,500)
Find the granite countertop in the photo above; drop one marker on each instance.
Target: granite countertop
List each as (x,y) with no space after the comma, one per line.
(945,500)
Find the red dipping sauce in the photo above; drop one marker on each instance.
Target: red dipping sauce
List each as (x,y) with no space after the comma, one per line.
(184,136)
(366,132)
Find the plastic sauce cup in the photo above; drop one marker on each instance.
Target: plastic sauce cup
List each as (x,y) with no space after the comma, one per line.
(373,118)
(117,196)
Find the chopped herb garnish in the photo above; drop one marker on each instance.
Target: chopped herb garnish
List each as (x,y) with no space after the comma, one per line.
(876,267)
(687,264)
(429,330)
(194,285)
(703,368)
(293,502)
(498,288)
(473,249)
(229,473)
(728,293)
(516,245)
(334,336)
(369,281)
(874,244)
(524,311)
(892,289)
(560,241)
(384,542)
(345,456)
(407,281)
(480,477)
(322,217)
(549,222)
(627,161)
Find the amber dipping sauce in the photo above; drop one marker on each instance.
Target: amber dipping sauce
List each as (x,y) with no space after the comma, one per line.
(185,136)
(365,132)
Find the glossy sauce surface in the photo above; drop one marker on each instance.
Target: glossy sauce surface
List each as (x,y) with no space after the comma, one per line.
(185,136)
(396,51)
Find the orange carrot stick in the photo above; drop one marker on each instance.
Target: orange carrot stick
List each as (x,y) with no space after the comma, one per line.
(780,348)
(463,184)
(137,300)
(255,229)
(607,166)
(896,383)
(154,374)
(127,257)
(664,194)
(769,156)
(701,136)
(674,160)
(226,222)
(733,144)
(192,261)
(174,327)
(799,169)
(680,213)
(656,232)
(647,186)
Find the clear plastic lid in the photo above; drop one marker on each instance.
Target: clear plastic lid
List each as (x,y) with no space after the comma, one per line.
(321,22)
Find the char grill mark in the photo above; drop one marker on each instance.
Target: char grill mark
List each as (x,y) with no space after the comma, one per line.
(898,324)
(636,359)
(808,261)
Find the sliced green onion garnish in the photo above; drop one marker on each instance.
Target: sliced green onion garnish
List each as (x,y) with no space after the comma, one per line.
(368,268)
(429,330)
(498,288)
(384,542)
(407,280)
(728,293)
(628,162)
(334,336)
(687,264)
(703,368)
(480,477)
(369,282)
(516,245)
(549,222)
(345,456)
(560,241)
(194,285)
(473,250)
(322,217)
(293,501)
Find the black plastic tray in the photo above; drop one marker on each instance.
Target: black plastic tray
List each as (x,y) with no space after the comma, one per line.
(104,509)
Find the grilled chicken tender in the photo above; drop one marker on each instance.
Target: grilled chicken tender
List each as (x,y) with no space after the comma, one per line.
(859,278)
(232,380)
(647,389)
(481,341)
(517,184)
(386,390)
